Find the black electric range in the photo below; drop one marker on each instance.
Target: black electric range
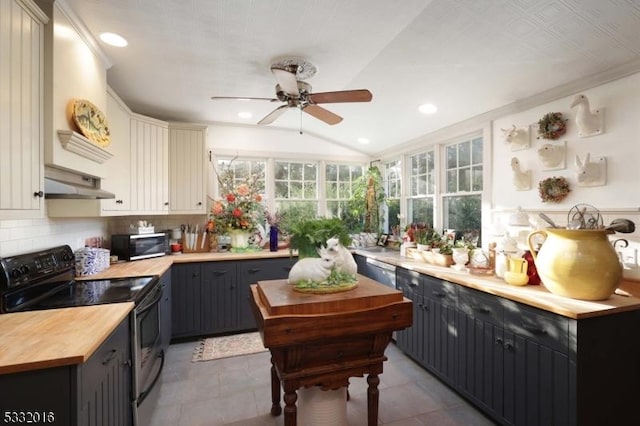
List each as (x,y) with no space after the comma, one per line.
(46,279)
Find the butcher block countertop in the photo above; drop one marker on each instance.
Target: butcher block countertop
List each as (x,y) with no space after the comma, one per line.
(533,295)
(159,265)
(57,337)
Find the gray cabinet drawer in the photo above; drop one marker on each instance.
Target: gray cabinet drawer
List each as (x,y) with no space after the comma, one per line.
(442,291)
(480,305)
(544,328)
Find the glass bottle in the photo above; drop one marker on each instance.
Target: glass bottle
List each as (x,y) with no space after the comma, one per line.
(273,238)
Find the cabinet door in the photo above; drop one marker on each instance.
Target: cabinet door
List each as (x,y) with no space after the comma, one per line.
(187,171)
(411,339)
(252,271)
(106,382)
(165,310)
(440,325)
(220,297)
(119,172)
(480,349)
(21,139)
(149,165)
(185,300)
(537,367)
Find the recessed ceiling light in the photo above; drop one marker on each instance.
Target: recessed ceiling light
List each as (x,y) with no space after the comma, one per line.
(428,108)
(363,141)
(245,114)
(114,39)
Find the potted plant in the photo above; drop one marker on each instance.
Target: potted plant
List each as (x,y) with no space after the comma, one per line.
(307,236)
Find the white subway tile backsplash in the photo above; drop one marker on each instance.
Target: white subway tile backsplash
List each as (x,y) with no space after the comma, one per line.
(23,236)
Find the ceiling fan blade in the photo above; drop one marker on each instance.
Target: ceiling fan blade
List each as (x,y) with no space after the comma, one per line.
(287,81)
(237,98)
(273,115)
(362,95)
(322,114)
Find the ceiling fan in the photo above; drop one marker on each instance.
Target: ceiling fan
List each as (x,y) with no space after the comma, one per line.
(296,93)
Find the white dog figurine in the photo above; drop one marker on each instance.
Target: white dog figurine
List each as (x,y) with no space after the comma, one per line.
(344,259)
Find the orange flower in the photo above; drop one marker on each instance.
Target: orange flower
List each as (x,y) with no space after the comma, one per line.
(243,190)
(258,198)
(231,198)
(217,208)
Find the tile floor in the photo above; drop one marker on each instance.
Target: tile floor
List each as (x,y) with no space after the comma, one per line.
(237,391)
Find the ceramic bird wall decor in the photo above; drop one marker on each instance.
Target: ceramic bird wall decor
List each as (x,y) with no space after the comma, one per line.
(588,122)
(521,178)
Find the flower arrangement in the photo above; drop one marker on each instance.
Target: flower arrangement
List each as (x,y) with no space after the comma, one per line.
(240,208)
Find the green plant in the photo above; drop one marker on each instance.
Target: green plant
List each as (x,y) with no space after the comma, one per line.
(446,248)
(307,236)
(367,197)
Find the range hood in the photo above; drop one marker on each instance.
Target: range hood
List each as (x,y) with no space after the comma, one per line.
(64,184)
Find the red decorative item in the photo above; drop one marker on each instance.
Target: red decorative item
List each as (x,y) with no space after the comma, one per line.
(532,272)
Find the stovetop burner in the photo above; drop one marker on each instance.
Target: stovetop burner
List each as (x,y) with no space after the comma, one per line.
(96,292)
(46,280)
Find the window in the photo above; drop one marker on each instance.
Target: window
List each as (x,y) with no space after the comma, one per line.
(422,188)
(463,183)
(393,188)
(241,169)
(339,189)
(296,188)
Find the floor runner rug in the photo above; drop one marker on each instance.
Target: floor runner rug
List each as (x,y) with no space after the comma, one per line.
(227,346)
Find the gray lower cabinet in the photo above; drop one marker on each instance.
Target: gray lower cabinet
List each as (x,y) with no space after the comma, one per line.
(220,297)
(186,300)
(165,310)
(411,339)
(252,271)
(213,297)
(522,365)
(96,393)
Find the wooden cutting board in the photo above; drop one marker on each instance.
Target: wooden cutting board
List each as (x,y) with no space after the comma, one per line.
(279,298)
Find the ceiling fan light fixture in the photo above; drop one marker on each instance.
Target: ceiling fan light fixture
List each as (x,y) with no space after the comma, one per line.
(363,141)
(245,114)
(114,39)
(428,108)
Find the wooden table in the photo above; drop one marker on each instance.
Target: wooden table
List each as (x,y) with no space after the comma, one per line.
(324,339)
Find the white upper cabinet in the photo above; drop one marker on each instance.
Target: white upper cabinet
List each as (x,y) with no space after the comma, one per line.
(149,165)
(119,171)
(21,91)
(187,172)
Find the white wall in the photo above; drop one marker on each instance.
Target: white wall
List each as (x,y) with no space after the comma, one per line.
(620,144)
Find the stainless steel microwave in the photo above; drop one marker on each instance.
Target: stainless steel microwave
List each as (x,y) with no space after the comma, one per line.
(139,246)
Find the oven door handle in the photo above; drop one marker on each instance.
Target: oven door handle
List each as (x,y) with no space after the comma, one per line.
(145,306)
(147,391)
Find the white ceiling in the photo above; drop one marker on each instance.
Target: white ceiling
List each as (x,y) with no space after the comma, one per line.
(465,56)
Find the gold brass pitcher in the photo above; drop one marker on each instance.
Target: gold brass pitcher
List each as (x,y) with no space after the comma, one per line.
(580,264)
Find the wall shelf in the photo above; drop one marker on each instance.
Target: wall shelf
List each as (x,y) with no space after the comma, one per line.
(78,144)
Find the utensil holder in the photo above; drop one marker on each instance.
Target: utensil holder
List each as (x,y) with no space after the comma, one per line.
(199,247)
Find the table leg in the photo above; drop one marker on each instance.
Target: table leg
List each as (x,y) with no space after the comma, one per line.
(275,391)
(290,409)
(372,399)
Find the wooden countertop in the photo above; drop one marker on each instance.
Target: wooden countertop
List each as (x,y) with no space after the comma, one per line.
(56,337)
(532,295)
(159,265)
